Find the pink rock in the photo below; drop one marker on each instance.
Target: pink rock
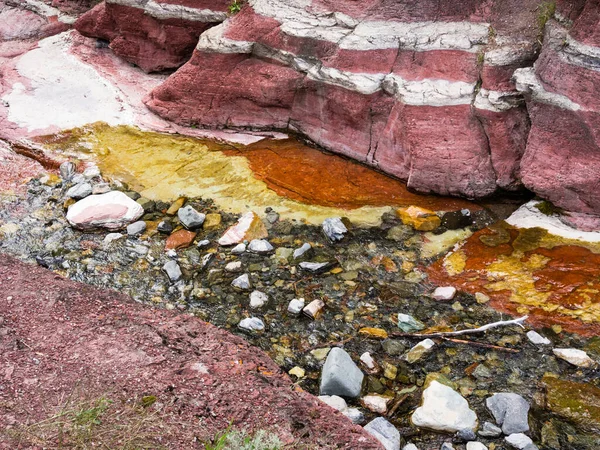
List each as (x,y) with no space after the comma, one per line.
(247,228)
(113,210)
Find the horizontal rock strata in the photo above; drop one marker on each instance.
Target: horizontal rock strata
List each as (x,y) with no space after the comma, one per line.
(153,35)
(453,99)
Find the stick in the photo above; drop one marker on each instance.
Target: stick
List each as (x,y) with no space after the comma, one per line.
(481,329)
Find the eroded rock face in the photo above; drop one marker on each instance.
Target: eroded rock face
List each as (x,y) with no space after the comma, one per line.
(154,35)
(429,102)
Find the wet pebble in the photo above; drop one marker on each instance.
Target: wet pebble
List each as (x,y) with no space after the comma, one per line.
(136,228)
(295,306)
(260,246)
(239,249)
(242,282)
(258,299)
(172,270)
(252,324)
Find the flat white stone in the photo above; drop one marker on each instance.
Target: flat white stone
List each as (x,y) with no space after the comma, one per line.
(537,338)
(476,446)
(239,249)
(410,446)
(260,246)
(443,293)
(367,360)
(334,401)
(518,440)
(444,409)
(252,324)
(574,356)
(112,210)
(242,282)
(258,299)
(234,266)
(376,403)
(296,305)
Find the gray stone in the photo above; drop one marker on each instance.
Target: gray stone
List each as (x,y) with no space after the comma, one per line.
(384,432)
(239,249)
(79,191)
(537,339)
(510,411)
(410,446)
(354,414)
(302,250)
(489,430)
(77,178)
(165,226)
(203,243)
(466,435)
(341,376)
(190,218)
(260,246)
(519,440)
(136,228)
(409,324)
(447,446)
(393,347)
(476,446)
(172,270)
(252,324)
(334,229)
(67,170)
(314,266)
(242,282)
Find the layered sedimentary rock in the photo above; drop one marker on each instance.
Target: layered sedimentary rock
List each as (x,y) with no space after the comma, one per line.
(454,98)
(156,34)
(421,91)
(562,161)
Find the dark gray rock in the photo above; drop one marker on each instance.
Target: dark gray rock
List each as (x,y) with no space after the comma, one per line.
(165,227)
(466,435)
(190,218)
(489,430)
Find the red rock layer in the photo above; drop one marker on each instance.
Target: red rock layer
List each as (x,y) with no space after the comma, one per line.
(152,43)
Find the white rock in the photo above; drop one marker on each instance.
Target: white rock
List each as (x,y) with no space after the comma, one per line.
(190,218)
(242,282)
(518,440)
(111,237)
(258,299)
(260,246)
(576,357)
(296,306)
(419,350)
(238,232)
(444,409)
(301,251)
(203,243)
(367,360)
(537,338)
(476,446)
(235,266)
(313,309)
(376,403)
(91,172)
(112,210)
(444,293)
(384,432)
(334,401)
(239,249)
(313,266)
(334,228)
(252,324)
(173,271)
(410,446)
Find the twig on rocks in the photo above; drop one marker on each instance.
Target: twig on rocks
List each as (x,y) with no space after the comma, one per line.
(481,329)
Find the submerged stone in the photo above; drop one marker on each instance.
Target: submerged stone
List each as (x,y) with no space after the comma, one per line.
(340,375)
(252,324)
(409,324)
(247,228)
(420,219)
(384,432)
(444,409)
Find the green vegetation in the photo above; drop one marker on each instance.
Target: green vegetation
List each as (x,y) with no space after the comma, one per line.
(94,423)
(231,439)
(547,208)
(546,11)
(236,6)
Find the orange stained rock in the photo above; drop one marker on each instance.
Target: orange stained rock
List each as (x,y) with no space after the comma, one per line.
(309,175)
(555,281)
(180,239)
(420,219)
(373,332)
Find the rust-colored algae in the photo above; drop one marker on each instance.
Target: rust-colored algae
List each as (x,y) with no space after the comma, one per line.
(528,271)
(309,175)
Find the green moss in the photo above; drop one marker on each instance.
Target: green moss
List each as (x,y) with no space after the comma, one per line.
(577,402)
(546,11)
(236,6)
(547,208)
